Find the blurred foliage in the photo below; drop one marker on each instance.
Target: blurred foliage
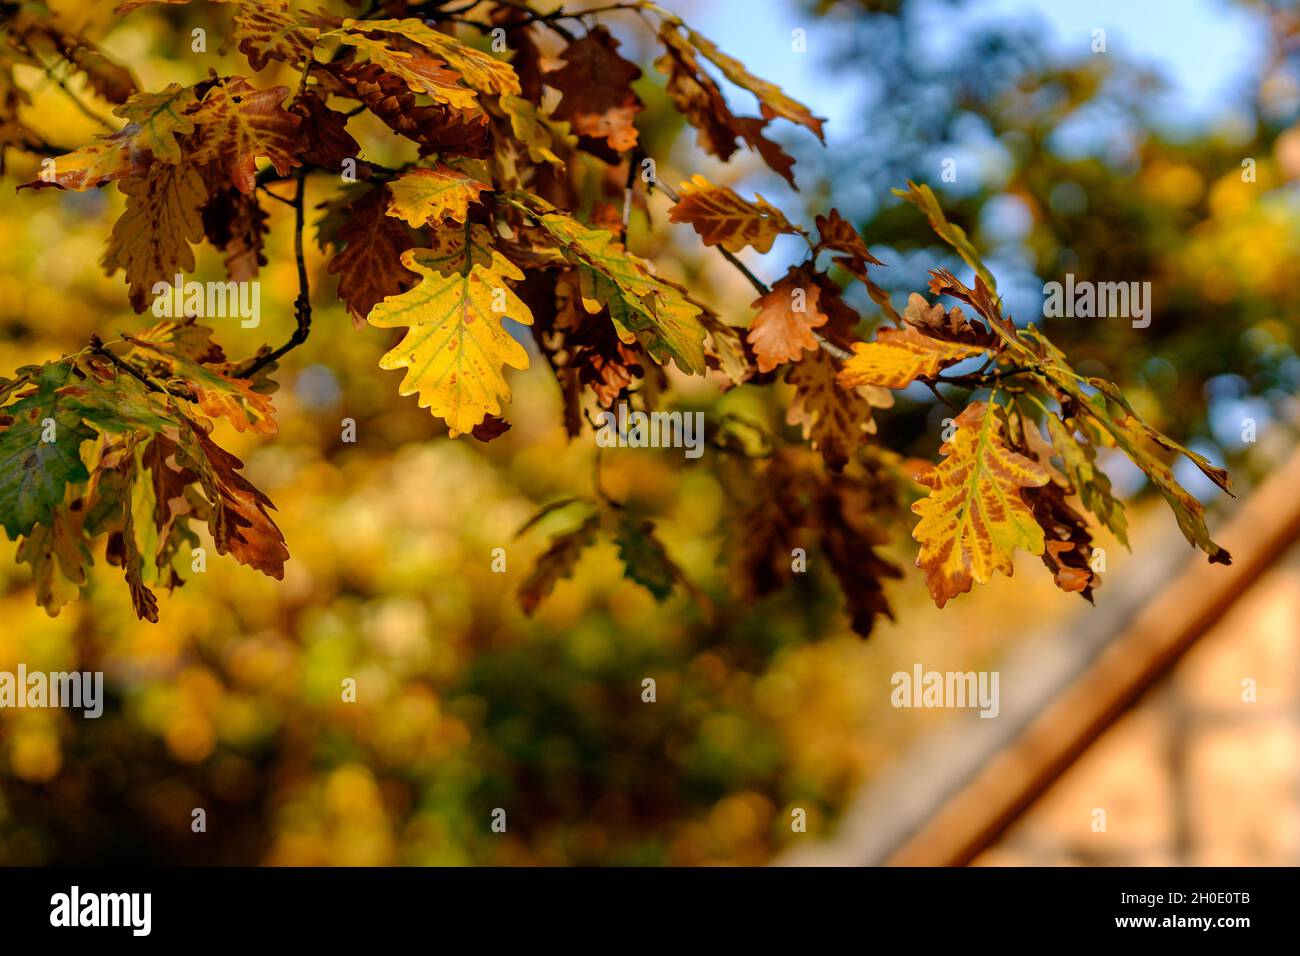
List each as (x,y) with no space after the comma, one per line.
(231,702)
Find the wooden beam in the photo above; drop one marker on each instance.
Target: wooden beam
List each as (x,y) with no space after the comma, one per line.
(1261,529)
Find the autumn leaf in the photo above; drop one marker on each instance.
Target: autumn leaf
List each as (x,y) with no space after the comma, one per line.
(837,234)
(898,357)
(265,30)
(421,196)
(1130,433)
(479,70)
(771,98)
(58,556)
(783,328)
(556,563)
(644,307)
(721,217)
(1067,550)
(539,134)
(437,128)
(597,97)
(974,516)
(368,246)
(1115,418)
(217,391)
(154,120)
(950,325)
(151,239)
(923,198)
(240,124)
(696,96)
(456,344)
(239,521)
(420,74)
(1089,482)
(327,142)
(834,420)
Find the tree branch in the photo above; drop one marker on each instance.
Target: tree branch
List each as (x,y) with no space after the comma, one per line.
(99,348)
(302,305)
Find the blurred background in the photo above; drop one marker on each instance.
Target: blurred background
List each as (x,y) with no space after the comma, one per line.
(1124,165)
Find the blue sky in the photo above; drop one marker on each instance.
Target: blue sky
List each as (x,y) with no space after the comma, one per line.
(1205,48)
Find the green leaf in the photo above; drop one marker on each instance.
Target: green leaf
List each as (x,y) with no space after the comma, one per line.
(644,559)
(35,472)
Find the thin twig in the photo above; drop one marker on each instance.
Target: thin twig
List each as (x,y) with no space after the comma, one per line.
(97,346)
(302,305)
(76,100)
(759,285)
(939,395)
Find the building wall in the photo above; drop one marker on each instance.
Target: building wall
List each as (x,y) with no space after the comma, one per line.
(1200,771)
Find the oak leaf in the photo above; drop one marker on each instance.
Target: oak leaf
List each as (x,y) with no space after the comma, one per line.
(782,330)
(456,344)
(151,239)
(421,196)
(721,217)
(420,74)
(835,420)
(239,520)
(266,30)
(898,357)
(479,70)
(240,124)
(368,246)
(974,516)
(596,87)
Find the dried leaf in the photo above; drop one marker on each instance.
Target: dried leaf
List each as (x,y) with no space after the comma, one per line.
(783,328)
(240,124)
(722,217)
(151,239)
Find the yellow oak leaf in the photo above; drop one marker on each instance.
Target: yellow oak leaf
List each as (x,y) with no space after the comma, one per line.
(898,357)
(721,217)
(423,196)
(153,122)
(456,343)
(478,69)
(151,239)
(974,516)
(421,74)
